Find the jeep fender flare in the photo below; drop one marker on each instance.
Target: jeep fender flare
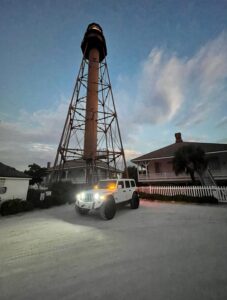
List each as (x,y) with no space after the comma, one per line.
(108,209)
(135,201)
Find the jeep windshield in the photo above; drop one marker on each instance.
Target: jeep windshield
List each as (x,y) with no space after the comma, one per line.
(107,184)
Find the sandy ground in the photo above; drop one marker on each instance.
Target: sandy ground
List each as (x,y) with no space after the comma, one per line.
(160,251)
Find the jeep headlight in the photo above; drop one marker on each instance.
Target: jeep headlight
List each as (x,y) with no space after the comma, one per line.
(96,196)
(80,196)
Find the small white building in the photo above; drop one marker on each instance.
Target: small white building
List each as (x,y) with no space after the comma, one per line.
(13,184)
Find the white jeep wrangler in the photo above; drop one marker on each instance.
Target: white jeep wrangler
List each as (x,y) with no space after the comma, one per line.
(105,195)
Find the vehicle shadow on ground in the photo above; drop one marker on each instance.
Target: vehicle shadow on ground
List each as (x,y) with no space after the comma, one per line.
(93,219)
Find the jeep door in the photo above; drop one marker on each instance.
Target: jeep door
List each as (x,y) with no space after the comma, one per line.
(128,189)
(120,195)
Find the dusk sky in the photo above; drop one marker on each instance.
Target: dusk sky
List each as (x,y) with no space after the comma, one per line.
(167,62)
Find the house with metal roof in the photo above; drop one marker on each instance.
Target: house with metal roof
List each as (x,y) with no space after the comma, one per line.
(13,183)
(156,167)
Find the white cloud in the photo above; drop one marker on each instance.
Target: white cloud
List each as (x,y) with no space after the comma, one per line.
(222,122)
(130,154)
(33,137)
(160,88)
(186,90)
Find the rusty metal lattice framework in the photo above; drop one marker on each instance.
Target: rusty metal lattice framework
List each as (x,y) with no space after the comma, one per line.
(110,150)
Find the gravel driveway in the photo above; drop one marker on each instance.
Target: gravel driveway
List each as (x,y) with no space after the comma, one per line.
(160,251)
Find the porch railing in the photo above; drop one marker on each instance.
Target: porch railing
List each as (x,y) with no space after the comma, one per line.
(217,174)
(163,175)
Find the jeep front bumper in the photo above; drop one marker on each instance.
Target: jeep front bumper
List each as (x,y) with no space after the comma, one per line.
(89,205)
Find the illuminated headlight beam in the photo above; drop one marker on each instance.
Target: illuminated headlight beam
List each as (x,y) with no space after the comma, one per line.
(96,196)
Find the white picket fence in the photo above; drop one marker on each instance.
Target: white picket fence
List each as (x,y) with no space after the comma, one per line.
(219,193)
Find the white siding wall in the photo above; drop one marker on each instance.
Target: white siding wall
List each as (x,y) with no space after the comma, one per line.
(222,159)
(16,188)
(164,165)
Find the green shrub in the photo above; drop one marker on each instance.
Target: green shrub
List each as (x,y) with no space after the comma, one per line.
(63,192)
(33,197)
(47,202)
(14,206)
(179,198)
(60,199)
(27,206)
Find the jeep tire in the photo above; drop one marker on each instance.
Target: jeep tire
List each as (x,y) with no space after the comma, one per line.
(81,211)
(135,201)
(108,209)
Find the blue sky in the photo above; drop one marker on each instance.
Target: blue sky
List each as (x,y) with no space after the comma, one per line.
(167,62)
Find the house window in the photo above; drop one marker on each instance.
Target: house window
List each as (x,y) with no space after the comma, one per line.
(157,167)
(2,182)
(3,189)
(214,163)
(142,168)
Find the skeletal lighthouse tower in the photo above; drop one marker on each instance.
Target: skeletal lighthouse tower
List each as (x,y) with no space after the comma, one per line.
(91,132)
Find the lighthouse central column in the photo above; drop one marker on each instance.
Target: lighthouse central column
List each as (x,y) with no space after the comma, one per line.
(94,50)
(90,139)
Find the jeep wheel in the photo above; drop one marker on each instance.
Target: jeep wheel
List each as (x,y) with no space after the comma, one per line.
(81,211)
(108,209)
(135,201)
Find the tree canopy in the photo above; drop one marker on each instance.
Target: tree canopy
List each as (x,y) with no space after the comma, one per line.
(190,160)
(36,172)
(132,173)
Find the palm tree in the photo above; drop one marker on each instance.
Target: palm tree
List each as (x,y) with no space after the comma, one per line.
(190,160)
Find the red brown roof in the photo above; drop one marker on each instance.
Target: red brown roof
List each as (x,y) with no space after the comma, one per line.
(170,150)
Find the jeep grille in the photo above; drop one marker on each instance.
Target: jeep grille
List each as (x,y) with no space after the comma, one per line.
(88,197)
